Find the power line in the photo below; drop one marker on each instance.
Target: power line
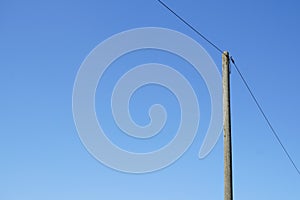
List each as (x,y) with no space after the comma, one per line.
(189,25)
(244,81)
(264,115)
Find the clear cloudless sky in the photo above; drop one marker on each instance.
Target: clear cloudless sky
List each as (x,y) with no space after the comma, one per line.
(42,45)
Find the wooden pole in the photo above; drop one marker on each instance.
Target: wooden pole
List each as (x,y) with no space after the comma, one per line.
(228,191)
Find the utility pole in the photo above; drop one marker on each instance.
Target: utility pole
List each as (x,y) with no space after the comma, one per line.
(228,191)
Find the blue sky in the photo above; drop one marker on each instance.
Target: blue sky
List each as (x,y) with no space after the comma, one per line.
(43,44)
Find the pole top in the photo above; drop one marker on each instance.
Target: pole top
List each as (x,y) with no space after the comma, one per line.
(226,53)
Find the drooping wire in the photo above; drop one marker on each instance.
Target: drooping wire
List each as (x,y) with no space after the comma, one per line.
(244,81)
(189,25)
(264,115)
